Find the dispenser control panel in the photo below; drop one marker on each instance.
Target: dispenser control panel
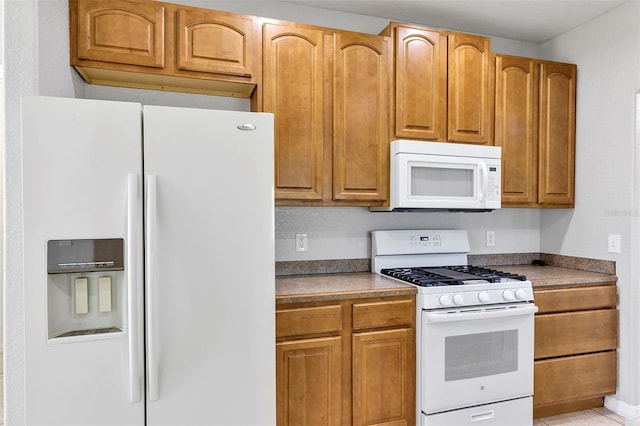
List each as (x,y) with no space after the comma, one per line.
(66,256)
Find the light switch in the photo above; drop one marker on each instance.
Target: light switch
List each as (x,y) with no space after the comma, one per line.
(82,296)
(104,294)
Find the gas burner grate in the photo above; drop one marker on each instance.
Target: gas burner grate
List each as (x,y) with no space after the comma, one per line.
(421,277)
(450,275)
(491,275)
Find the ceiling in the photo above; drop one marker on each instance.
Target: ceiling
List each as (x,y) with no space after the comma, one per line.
(528,20)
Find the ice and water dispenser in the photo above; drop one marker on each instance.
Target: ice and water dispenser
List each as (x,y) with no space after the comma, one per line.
(85,288)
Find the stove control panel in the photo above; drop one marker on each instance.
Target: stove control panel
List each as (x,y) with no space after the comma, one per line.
(432,240)
(476,297)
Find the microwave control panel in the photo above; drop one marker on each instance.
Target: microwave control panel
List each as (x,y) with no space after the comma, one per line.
(493,184)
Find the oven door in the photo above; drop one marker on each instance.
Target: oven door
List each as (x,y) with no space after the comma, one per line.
(476,355)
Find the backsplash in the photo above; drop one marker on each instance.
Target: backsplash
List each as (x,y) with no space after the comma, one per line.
(334,266)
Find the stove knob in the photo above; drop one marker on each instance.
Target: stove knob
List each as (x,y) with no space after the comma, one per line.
(483,296)
(508,295)
(445,300)
(521,294)
(458,299)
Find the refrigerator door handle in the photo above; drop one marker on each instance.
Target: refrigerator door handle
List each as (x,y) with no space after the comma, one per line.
(132,285)
(151,225)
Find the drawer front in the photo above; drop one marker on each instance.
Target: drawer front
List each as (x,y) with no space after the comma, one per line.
(575,299)
(575,333)
(309,321)
(575,377)
(393,313)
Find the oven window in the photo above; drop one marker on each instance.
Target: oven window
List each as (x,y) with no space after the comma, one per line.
(480,354)
(441,181)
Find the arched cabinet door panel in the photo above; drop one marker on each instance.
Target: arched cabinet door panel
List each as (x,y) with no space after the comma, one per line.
(293,91)
(470,108)
(216,42)
(516,128)
(362,65)
(121,31)
(557,134)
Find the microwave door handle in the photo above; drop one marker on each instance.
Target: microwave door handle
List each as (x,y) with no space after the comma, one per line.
(484,181)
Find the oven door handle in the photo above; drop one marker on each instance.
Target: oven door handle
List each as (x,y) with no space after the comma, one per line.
(440,317)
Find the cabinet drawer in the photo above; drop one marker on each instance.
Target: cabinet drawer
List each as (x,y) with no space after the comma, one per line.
(575,333)
(395,313)
(575,377)
(308,321)
(575,299)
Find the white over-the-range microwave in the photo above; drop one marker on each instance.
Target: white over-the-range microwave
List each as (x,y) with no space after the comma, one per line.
(441,176)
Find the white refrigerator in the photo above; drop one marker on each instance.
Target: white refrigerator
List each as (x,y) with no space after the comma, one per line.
(148,264)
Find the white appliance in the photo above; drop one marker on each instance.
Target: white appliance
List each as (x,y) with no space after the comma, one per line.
(149,264)
(443,177)
(474,330)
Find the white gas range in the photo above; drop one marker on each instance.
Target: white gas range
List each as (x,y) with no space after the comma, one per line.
(474,330)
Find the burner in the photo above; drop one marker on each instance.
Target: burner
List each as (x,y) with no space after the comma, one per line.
(491,275)
(420,276)
(450,275)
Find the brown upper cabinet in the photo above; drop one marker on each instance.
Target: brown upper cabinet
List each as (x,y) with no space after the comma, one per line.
(120,31)
(443,85)
(329,93)
(557,134)
(163,46)
(470,89)
(293,89)
(535,126)
(215,42)
(420,83)
(339,97)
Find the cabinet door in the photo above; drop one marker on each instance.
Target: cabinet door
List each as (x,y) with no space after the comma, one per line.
(557,134)
(362,69)
(421,84)
(470,108)
(383,378)
(308,374)
(515,128)
(126,32)
(216,42)
(293,91)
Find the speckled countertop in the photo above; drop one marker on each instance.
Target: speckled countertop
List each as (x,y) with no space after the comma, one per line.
(313,288)
(542,276)
(320,287)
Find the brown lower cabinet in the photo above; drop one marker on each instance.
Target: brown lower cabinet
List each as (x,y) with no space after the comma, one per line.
(346,362)
(576,331)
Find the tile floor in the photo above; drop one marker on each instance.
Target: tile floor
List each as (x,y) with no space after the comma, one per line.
(594,417)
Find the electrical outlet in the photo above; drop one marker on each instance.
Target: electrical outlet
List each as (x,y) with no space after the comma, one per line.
(613,243)
(301,243)
(491,238)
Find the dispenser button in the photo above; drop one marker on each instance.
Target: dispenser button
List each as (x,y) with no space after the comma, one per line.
(82,296)
(104,294)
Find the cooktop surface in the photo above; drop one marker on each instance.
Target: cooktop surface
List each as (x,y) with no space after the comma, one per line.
(451,275)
